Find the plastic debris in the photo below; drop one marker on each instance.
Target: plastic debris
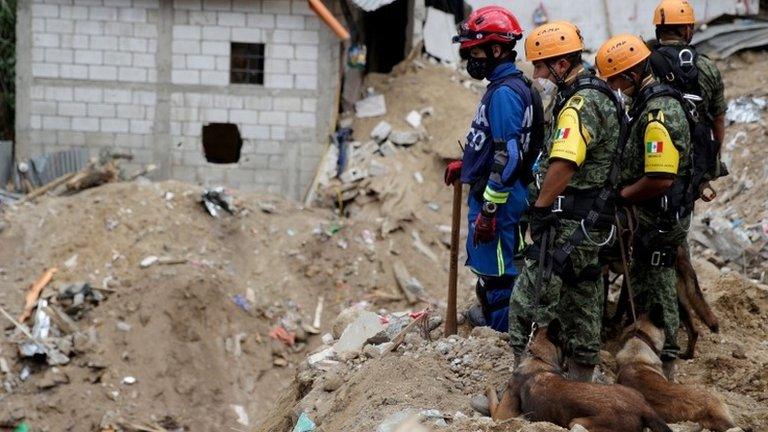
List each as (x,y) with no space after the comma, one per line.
(746,109)
(242,302)
(304,424)
(279,333)
(129,380)
(40,332)
(216,199)
(22,427)
(149,261)
(242,416)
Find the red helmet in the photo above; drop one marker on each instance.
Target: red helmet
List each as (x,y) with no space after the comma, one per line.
(488,24)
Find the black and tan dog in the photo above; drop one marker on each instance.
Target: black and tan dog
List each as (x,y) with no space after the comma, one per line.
(538,390)
(640,368)
(690,300)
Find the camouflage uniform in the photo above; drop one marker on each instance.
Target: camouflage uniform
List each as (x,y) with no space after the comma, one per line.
(579,305)
(657,284)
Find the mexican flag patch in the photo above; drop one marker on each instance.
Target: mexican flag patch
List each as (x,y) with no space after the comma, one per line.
(562,133)
(654,147)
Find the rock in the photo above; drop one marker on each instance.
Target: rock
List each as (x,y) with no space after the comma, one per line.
(327,338)
(443,347)
(578,428)
(371,351)
(332,381)
(485,332)
(377,169)
(404,138)
(123,326)
(738,353)
(365,326)
(542,427)
(353,174)
(51,378)
(343,320)
(349,355)
(379,338)
(414,119)
(480,404)
(387,149)
(381,131)
(2,226)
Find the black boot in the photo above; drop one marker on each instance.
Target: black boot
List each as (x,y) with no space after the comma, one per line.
(476,317)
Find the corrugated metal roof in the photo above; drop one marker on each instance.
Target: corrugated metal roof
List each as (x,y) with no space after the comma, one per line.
(49,167)
(371,5)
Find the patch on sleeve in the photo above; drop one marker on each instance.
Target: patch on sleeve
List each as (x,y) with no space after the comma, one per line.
(661,155)
(575,102)
(568,142)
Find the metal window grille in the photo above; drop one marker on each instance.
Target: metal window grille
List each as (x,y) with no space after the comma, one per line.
(247,63)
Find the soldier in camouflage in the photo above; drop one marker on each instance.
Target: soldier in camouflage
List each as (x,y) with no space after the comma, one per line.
(655,169)
(579,150)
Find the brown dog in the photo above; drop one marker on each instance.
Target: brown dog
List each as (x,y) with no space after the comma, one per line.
(690,300)
(640,368)
(538,390)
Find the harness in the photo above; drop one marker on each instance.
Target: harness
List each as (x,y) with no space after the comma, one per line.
(643,336)
(593,208)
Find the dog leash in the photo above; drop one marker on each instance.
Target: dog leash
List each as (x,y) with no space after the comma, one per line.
(624,260)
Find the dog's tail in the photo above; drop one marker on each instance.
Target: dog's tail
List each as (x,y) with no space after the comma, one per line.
(689,291)
(655,423)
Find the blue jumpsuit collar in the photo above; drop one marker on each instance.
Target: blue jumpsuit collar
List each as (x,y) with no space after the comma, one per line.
(502,71)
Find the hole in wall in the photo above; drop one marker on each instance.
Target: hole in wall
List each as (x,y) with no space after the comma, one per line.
(222,143)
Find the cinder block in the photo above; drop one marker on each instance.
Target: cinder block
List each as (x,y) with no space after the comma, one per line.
(38,25)
(216,48)
(40,10)
(146,98)
(187,32)
(291,22)
(141,126)
(72,109)
(214,115)
(87,94)
(259,103)
(262,21)
(201,62)
(309,37)
(217,5)
(132,14)
(59,93)
(130,111)
(44,108)
(35,122)
(143,60)
(114,125)
(101,110)
(89,27)
(216,33)
(184,173)
(254,132)
(245,6)
(222,64)
(302,120)
(240,177)
(309,105)
(130,74)
(144,30)
(148,4)
(102,13)
(304,67)
(186,47)
(74,41)
(133,44)
(88,57)
(280,51)
(117,96)
(306,52)
(38,55)
(56,123)
(244,117)
(287,103)
(278,81)
(53,25)
(108,43)
(187,4)
(232,19)
(203,18)
(277,133)
(251,35)
(57,55)
(103,73)
(274,66)
(277,162)
(72,138)
(129,141)
(268,147)
(117,58)
(276,6)
(85,124)
(216,78)
(119,29)
(301,7)
(281,36)
(308,82)
(185,77)
(46,40)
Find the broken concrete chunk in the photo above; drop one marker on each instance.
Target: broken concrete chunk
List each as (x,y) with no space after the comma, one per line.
(51,378)
(377,169)
(387,149)
(404,138)
(414,119)
(353,175)
(344,319)
(372,106)
(360,330)
(381,131)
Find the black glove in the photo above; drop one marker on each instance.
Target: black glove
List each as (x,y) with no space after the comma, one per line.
(541,219)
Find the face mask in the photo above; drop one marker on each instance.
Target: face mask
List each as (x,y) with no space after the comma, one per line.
(477,68)
(547,87)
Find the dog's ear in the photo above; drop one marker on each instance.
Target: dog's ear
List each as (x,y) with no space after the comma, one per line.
(656,315)
(554,328)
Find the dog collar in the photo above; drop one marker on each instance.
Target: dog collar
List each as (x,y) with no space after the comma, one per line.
(646,338)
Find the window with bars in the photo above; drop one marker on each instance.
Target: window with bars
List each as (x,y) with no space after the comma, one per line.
(247,63)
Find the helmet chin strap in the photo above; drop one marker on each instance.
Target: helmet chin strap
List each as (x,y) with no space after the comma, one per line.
(559,80)
(636,84)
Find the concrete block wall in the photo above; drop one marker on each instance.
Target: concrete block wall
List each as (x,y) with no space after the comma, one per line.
(144,76)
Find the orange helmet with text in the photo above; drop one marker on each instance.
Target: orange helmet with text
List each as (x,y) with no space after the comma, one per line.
(673,12)
(620,53)
(553,40)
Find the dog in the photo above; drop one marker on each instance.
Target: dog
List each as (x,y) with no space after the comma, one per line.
(639,367)
(538,390)
(690,300)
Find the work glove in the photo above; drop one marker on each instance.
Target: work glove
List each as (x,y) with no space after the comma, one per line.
(485,226)
(541,219)
(453,172)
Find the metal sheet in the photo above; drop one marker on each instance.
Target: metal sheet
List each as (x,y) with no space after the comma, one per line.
(49,167)
(717,30)
(6,162)
(371,5)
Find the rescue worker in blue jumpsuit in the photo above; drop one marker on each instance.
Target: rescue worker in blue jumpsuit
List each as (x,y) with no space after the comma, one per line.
(491,160)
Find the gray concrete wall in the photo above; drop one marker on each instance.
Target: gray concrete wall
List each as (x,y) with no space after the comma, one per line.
(144,76)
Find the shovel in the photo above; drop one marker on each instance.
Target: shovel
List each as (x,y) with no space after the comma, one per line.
(450,313)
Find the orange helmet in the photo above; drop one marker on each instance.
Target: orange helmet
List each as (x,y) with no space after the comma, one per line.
(553,40)
(619,54)
(673,12)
